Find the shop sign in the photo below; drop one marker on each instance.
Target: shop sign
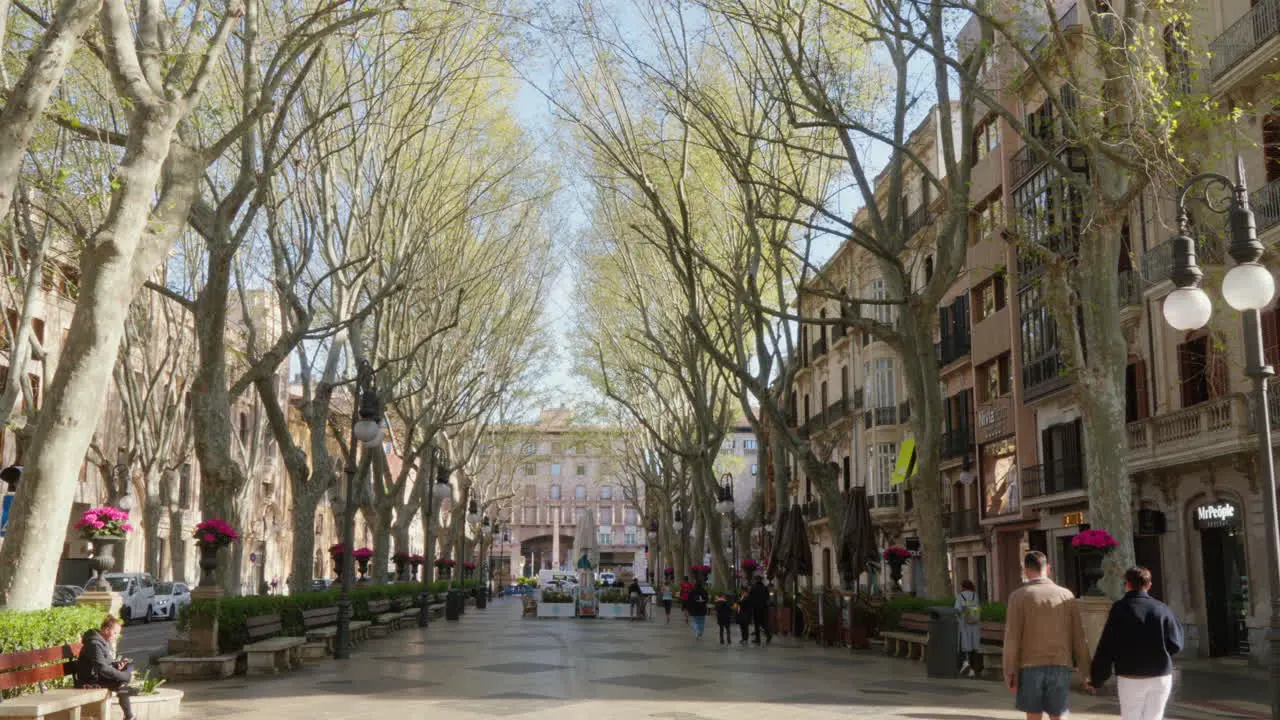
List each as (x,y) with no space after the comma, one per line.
(1073,519)
(1218,515)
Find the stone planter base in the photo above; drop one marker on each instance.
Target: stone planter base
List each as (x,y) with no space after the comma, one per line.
(182,667)
(555,610)
(615,610)
(163,705)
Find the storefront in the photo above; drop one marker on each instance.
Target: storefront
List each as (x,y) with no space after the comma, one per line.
(1226,580)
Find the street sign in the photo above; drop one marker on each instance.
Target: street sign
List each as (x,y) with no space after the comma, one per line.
(253,557)
(4,517)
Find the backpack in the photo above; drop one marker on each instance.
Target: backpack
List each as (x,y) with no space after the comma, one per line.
(972,614)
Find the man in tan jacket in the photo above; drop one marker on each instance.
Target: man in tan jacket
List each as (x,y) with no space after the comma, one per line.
(1043,642)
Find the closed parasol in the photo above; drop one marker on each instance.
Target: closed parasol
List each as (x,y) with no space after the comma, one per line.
(858,542)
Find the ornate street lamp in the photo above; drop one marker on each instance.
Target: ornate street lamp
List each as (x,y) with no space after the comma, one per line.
(655,553)
(366,430)
(442,480)
(1248,287)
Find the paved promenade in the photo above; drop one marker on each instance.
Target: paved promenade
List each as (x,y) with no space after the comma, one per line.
(493,663)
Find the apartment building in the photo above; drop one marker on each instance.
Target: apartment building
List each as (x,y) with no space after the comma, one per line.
(739,457)
(557,470)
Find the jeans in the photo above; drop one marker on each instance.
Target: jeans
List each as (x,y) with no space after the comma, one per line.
(1144,698)
(726,632)
(1044,689)
(699,623)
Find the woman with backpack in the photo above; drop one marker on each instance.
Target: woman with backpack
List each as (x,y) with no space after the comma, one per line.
(970,608)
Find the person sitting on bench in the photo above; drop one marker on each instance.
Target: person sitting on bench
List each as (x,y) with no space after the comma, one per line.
(97,667)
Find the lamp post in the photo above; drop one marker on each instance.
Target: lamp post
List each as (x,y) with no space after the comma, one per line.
(726,508)
(442,479)
(502,555)
(1248,287)
(677,524)
(655,553)
(365,430)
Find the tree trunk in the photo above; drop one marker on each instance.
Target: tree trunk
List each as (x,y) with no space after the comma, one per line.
(303,516)
(381,540)
(177,544)
(74,402)
(924,387)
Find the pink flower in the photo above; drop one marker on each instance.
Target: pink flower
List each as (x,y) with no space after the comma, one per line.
(126,527)
(99,525)
(89,517)
(210,537)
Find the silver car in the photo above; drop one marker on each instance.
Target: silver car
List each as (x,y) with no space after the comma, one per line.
(170,598)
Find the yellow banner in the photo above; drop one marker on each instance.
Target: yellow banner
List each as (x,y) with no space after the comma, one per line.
(906,461)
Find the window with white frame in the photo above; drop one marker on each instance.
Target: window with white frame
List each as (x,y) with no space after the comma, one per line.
(580,492)
(606,514)
(632,537)
(750,445)
(755,469)
(606,535)
(530,448)
(880,468)
(882,383)
(555,469)
(606,493)
(530,469)
(555,492)
(880,312)
(632,516)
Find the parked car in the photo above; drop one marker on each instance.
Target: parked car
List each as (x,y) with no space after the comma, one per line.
(64,595)
(137,591)
(170,598)
(607,579)
(321,584)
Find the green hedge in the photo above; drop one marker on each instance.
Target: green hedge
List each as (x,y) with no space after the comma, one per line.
(36,629)
(896,607)
(235,611)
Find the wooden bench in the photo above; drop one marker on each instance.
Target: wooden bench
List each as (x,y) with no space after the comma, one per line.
(320,626)
(384,620)
(37,667)
(911,640)
(268,652)
(992,649)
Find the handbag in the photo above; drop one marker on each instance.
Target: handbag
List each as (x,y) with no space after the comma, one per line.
(972,613)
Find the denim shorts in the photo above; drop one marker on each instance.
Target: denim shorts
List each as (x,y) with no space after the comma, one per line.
(1044,689)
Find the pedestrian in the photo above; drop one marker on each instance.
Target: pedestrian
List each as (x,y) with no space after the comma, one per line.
(724,618)
(1043,641)
(685,588)
(743,609)
(666,601)
(698,602)
(97,666)
(1139,641)
(637,600)
(758,599)
(970,608)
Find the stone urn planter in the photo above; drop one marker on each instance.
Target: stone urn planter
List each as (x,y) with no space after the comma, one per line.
(163,704)
(402,564)
(104,558)
(208,565)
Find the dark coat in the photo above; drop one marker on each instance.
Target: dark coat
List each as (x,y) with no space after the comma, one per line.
(1139,640)
(758,600)
(698,601)
(94,667)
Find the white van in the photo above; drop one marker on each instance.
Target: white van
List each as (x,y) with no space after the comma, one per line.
(550,578)
(137,592)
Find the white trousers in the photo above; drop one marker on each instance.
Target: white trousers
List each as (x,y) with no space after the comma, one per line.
(1144,698)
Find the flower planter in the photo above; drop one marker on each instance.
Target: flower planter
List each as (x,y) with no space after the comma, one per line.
(555,610)
(615,610)
(163,704)
(363,564)
(208,565)
(104,558)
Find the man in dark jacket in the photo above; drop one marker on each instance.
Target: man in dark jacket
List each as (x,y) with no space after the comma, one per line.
(758,599)
(97,666)
(1139,640)
(698,601)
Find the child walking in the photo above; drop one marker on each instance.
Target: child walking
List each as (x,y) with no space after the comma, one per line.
(724,616)
(743,608)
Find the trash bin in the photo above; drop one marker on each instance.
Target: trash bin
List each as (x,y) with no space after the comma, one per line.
(482,598)
(453,605)
(944,643)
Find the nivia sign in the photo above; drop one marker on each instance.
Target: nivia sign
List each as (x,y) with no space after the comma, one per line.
(1221,515)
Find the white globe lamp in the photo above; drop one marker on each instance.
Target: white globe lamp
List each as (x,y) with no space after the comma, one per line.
(1248,286)
(1187,308)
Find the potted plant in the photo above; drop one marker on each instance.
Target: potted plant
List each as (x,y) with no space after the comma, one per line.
(444,566)
(104,527)
(555,604)
(401,560)
(1093,546)
(362,556)
(749,568)
(416,561)
(700,571)
(614,603)
(151,700)
(468,568)
(896,556)
(211,536)
(337,552)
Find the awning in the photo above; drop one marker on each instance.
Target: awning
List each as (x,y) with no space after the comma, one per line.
(906,461)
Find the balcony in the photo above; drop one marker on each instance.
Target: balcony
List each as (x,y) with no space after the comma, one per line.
(993,420)
(957,443)
(962,523)
(1157,263)
(1245,35)
(837,411)
(813,510)
(1045,374)
(1056,478)
(878,417)
(819,349)
(951,348)
(1265,202)
(917,220)
(884,500)
(1069,18)
(1032,260)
